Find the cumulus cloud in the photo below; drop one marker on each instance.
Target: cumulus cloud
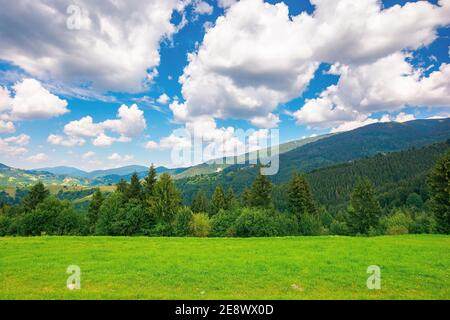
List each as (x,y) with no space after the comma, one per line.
(119,158)
(257,56)
(61,39)
(130,123)
(151,145)
(163,99)
(88,155)
(28,101)
(65,141)
(202,7)
(388,84)
(38,157)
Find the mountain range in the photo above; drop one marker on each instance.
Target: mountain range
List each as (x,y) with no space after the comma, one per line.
(302,155)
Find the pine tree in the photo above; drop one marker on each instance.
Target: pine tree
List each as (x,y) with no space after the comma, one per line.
(439,183)
(246,197)
(37,195)
(229,198)
(300,200)
(149,183)
(122,187)
(261,192)
(94,208)
(200,203)
(135,189)
(167,199)
(218,200)
(365,211)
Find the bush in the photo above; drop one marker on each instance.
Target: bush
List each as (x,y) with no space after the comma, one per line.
(200,225)
(51,217)
(310,225)
(339,228)
(181,225)
(256,223)
(423,223)
(397,223)
(285,224)
(223,223)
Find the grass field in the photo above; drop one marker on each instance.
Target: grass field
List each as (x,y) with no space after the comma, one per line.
(412,267)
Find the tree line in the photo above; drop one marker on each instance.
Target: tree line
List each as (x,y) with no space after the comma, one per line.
(154,207)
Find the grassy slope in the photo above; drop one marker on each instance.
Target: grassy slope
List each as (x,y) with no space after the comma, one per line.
(174,268)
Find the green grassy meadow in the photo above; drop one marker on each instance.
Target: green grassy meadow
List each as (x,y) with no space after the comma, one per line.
(412,267)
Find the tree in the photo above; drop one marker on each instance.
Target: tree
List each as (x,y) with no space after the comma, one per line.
(261,192)
(365,211)
(133,219)
(246,197)
(94,208)
(200,203)
(218,200)
(200,225)
(134,190)
(167,199)
(109,215)
(414,200)
(439,183)
(300,201)
(182,223)
(229,198)
(150,183)
(37,195)
(122,186)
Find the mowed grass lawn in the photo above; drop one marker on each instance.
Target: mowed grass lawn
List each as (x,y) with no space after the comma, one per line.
(412,267)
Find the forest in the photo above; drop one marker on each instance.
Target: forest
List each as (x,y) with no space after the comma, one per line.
(396,193)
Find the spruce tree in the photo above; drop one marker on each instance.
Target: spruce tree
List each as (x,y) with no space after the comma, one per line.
(149,183)
(135,189)
(122,187)
(94,208)
(365,211)
(167,199)
(261,192)
(246,197)
(439,183)
(229,198)
(37,195)
(200,203)
(218,200)
(300,200)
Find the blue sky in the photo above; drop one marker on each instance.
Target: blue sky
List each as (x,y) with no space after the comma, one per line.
(305,68)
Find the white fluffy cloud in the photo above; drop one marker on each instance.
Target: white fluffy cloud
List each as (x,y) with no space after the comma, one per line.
(118,157)
(111,44)
(163,99)
(38,157)
(7,127)
(65,141)
(258,56)
(29,101)
(202,7)
(388,84)
(130,123)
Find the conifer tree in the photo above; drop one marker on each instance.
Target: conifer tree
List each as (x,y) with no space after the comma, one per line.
(149,183)
(229,198)
(167,199)
(122,187)
(94,208)
(261,192)
(37,195)
(218,200)
(365,211)
(300,200)
(439,183)
(135,189)
(200,203)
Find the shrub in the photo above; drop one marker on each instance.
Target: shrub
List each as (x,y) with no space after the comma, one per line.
(339,228)
(310,225)
(181,225)
(397,223)
(255,223)
(423,223)
(200,225)
(223,223)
